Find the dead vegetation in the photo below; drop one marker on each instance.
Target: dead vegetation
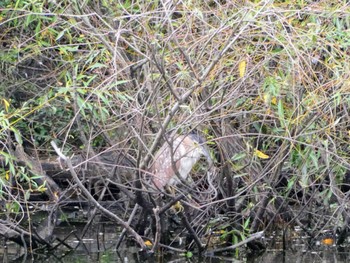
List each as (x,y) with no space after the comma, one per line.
(266,84)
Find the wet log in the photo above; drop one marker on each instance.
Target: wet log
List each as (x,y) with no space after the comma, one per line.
(108,213)
(20,236)
(98,171)
(52,189)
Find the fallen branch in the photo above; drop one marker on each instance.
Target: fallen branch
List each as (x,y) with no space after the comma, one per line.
(243,242)
(20,236)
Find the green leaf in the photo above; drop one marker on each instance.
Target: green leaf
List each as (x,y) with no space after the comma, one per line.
(60,34)
(18,136)
(238,156)
(97,65)
(281,113)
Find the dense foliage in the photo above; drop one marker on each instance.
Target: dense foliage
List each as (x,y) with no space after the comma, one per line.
(265,82)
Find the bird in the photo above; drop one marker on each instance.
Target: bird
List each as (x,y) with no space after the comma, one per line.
(186,151)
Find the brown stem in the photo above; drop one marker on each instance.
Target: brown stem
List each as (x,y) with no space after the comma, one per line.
(191,231)
(158,229)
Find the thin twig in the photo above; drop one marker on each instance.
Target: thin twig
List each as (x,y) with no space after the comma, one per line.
(158,229)
(121,237)
(191,231)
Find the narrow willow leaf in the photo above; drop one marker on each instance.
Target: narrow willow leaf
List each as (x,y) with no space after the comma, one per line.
(238,156)
(97,65)
(18,136)
(281,112)
(42,188)
(60,35)
(6,104)
(148,243)
(337,121)
(7,175)
(290,184)
(260,154)
(241,67)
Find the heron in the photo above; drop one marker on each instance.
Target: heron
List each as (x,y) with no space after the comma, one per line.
(186,151)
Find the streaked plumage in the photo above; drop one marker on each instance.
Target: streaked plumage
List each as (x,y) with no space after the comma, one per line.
(187,150)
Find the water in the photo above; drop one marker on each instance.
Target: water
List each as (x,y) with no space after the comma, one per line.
(98,245)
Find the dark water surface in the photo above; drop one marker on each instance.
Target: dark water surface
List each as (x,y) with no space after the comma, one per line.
(99,243)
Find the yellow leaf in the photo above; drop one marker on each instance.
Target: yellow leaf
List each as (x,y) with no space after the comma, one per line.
(56,195)
(267,99)
(178,207)
(260,154)
(42,189)
(269,112)
(328,241)
(148,243)
(6,104)
(241,67)
(274,101)
(7,175)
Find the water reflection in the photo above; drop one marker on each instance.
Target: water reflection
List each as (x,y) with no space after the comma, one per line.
(327,256)
(97,244)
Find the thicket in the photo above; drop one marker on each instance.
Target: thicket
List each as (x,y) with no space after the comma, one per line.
(266,83)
